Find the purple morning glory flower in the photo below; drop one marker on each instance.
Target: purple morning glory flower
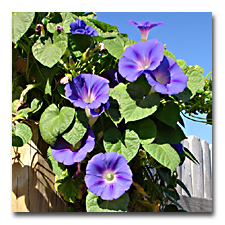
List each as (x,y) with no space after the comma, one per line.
(108,175)
(178,147)
(80,27)
(65,153)
(139,58)
(145,27)
(168,77)
(89,90)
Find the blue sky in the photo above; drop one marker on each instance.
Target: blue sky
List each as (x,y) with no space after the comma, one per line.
(188,35)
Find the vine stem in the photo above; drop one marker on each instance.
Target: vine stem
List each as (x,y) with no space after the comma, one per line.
(200,121)
(208,75)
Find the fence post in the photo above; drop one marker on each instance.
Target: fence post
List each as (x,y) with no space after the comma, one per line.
(207,170)
(197,169)
(186,171)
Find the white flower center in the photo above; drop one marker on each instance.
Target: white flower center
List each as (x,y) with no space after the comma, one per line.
(109,176)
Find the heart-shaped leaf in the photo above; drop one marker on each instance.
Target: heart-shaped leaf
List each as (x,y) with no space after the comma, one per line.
(164,154)
(168,113)
(145,128)
(54,122)
(133,104)
(21,21)
(79,128)
(49,53)
(21,135)
(113,142)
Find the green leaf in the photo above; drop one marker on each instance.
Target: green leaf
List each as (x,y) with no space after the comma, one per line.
(133,103)
(103,36)
(168,113)
(71,189)
(49,53)
(185,95)
(67,18)
(145,128)
(164,154)
(21,21)
(115,46)
(189,155)
(56,167)
(79,42)
(79,128)
(195,82)
(21,135)
(103,26)
(96,204)
(53,122)
(128,146)
(168,134)
(181,63)
(184,187)
(169,54)
(114,112)
(44,75)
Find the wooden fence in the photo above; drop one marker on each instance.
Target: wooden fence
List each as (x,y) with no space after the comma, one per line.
(197,177)
(33,181)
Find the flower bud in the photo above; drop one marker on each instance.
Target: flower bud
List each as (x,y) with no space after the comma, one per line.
(66,79)
(40,29)
(59,28)
(102,46)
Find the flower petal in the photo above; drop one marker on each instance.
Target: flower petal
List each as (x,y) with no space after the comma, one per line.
(139,57)
(167,78)
(88,146)
(100,164)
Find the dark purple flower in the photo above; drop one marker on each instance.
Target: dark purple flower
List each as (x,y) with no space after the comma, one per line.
(108,175)
(68,154)
(139,58)
(89,90)
(80,27)
(113,76)
(145,27)
(178,147)
(168,77)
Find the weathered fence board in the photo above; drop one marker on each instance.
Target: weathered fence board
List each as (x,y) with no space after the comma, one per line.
(185,174)
(197,170)
(33,182)
(207,170)
(197,177)
(196,204)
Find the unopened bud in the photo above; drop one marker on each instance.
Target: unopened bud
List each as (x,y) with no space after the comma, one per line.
(40,29)
(59,28)
(85,55)
(66,79)
(102,46)
(71,62)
